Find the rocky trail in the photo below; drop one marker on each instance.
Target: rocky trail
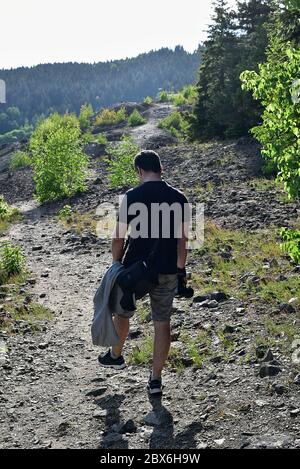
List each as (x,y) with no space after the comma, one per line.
(54,394)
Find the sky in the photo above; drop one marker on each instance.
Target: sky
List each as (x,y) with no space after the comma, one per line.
(47,31)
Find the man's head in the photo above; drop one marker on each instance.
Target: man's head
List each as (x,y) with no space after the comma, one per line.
(147,164)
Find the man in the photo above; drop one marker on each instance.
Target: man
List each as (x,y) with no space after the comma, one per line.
(162,214)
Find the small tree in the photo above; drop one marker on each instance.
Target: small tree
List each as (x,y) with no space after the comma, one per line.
(120,163)
(86,113)
(59,163)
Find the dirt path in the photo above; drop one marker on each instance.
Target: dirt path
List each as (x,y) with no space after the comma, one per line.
(54,394)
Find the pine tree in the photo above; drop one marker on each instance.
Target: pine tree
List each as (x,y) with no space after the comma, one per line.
(237,41)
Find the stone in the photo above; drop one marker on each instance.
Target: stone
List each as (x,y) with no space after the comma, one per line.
(278,388)
(228,329)
(267,369)
(268,357)
(297,379)
(128,427)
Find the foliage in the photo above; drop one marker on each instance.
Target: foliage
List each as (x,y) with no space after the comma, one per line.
(111,117)
(121,171)
(20,159)
(136,119)
(280,131)
(291,243)
(6,211)
(163,96)
(187,95)
(85,116)
(65,212)
(176,124)
(12,260)
(237,40)
(59,163)
(148,100)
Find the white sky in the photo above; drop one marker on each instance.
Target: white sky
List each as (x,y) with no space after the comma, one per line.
(43,31)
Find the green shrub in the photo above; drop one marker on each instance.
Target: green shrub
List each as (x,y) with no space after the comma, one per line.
(176,124)
(291,243)
(111,117)
(7,213)
(279,133)
(85,116)
(94,138)
(12,260)
(163,96)
(20,159)
(148,100)
(65,212)
(136,119)
(59,163)
(101,139)
(121,171)
(178,99)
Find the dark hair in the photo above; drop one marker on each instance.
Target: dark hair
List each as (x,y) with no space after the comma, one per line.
(148,160)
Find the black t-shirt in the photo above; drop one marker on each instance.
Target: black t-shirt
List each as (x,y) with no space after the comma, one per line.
(154,211)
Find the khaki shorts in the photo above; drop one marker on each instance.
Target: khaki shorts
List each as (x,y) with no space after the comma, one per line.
(161,299)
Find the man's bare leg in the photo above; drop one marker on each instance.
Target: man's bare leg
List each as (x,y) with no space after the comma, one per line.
(162,341)
(122,328)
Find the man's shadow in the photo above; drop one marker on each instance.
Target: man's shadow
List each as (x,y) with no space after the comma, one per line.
(113,417)
(163,430)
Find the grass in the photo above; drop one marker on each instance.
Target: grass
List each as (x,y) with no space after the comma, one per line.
(76,221)
(142,354)
(201,191)
(20,159)
(245,265)
(8,215)
(31,313)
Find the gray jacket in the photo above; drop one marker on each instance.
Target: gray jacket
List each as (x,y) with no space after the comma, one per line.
(107,302)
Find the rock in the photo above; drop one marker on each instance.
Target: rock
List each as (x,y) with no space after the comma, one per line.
(260,351)
(200,298)
(271,442)
(37,248)
(128,427)
(219,296)
(286,308)
(43,345)
(202,445)
(267,369)
(278,388)
(297,379)
(135,333)
(220,442)
(228,329)
(294,412)
(99,414)
(268,357)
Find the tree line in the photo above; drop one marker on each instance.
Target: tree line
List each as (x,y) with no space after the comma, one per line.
(36,92)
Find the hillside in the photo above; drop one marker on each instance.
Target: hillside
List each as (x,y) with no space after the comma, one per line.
(233,375)
(36,91)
